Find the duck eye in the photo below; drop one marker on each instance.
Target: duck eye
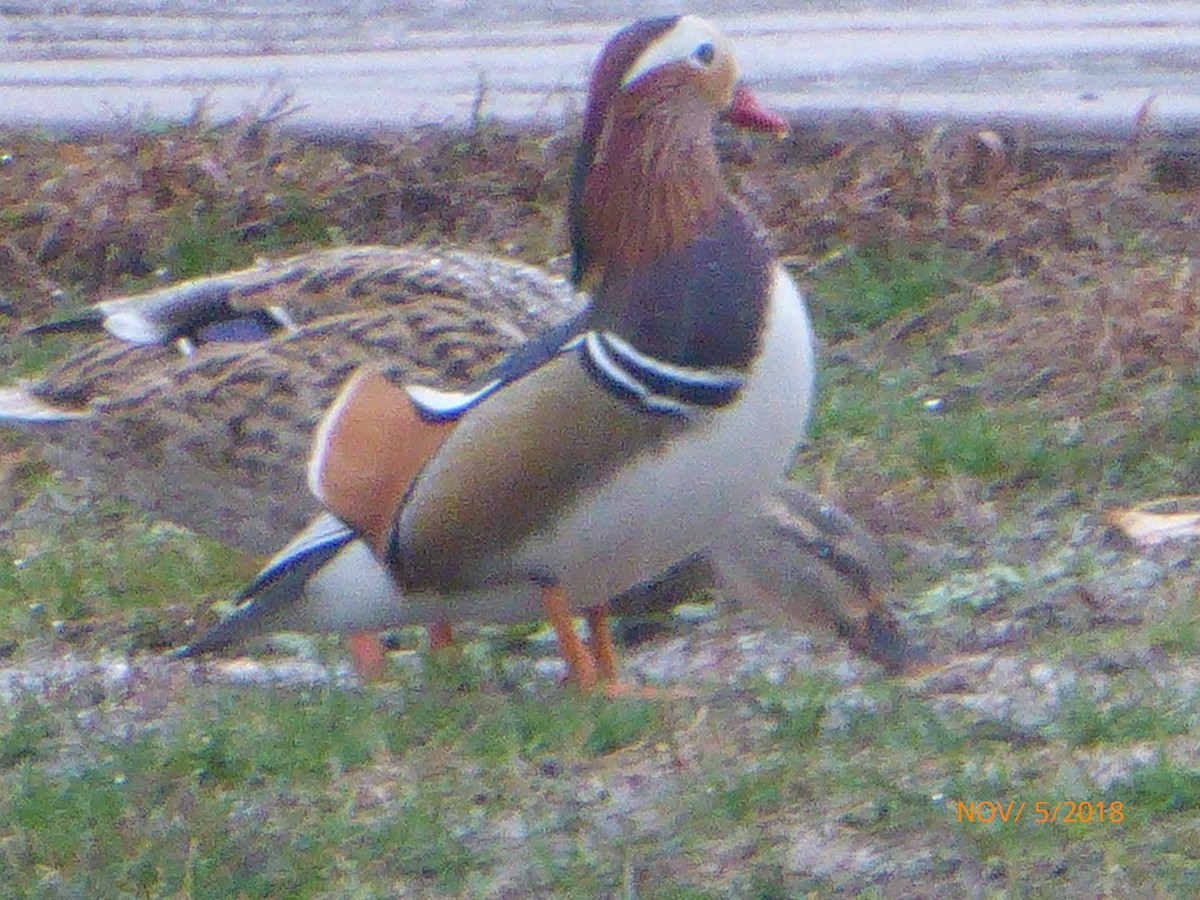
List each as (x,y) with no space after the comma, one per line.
(704,54)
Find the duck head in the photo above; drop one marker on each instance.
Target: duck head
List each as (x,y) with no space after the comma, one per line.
(646,180)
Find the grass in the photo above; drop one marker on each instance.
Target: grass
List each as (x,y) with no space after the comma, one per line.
(104,566)
(26,731)
(1166,789)
(998,369)
(1088,723)
(27,358)
(866,288)
(915,438)
(356,789)
(252,772)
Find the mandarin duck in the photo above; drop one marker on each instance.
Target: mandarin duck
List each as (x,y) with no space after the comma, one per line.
(213,437)
(797,555)
(579,471)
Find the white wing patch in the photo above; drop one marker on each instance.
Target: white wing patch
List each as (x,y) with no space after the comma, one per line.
(324,535)
(441,404)
(18,405)
(321,531)
(134,328)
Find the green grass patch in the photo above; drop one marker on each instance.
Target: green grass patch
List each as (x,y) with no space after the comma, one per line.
(618,725)
(866,288)
(205,244)
(1085,723)
(861,404)
(540,727)
(751,794)
(107,564)
(246,797)
(216,240)
(1162,453)
(27,357)
(972,444)
(1162,790)
(661,891)
(885,414)
(1178,632)
(998,446)
(251,738)
(73,824)
(25,734)
(434,717)
(798,708)
(417,842)
(910,729)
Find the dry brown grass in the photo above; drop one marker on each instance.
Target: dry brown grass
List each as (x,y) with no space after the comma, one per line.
(95,214)
(1099,262)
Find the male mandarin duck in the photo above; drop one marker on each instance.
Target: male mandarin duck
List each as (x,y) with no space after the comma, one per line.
(215,438)
(796,555)
(457,310)
(574,474)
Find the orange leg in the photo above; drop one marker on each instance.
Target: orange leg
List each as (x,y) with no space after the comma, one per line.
(367,652)
(605,654)
(441,635)
(602,643)
(579,659)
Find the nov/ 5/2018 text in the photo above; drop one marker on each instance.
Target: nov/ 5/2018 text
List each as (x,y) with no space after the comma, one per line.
(1044,812)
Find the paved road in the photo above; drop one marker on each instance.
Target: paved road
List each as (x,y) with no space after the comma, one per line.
(1075,67)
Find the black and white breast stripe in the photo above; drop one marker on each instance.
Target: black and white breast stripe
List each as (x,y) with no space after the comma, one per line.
(647,381)
(652,383)
(437,405)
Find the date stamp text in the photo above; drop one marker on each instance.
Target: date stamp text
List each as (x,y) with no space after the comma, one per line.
(1040,812)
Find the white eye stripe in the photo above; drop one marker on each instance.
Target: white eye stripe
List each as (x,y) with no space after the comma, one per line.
(679,44)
